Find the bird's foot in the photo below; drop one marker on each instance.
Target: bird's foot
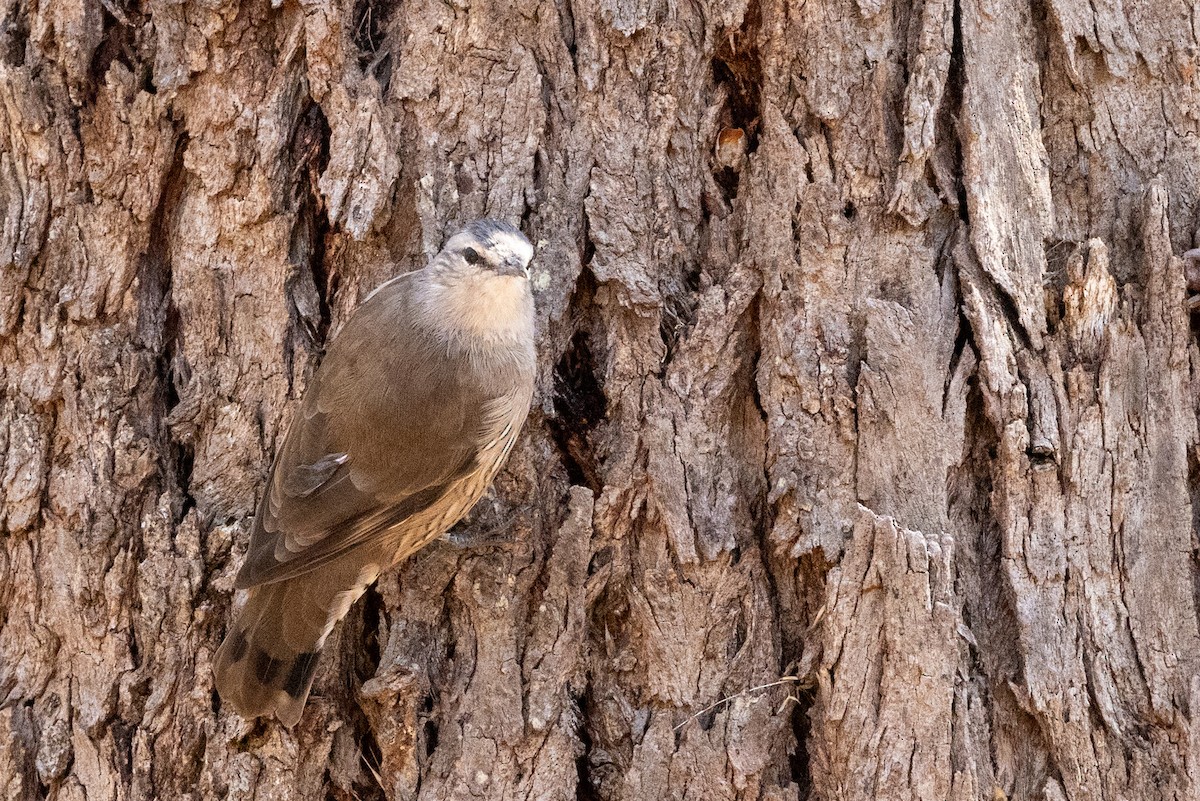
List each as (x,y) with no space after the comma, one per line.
(476,536)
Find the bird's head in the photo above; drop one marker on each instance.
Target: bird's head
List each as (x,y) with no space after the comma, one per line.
(487,247)
(477,289)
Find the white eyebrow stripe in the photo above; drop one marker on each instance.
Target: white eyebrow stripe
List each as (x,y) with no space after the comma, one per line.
(507,244)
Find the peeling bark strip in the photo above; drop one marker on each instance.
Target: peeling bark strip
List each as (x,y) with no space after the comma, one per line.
(865,464)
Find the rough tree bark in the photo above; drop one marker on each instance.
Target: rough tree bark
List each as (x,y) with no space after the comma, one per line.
(864,461)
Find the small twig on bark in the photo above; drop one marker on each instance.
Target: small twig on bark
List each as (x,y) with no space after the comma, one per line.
(778,683)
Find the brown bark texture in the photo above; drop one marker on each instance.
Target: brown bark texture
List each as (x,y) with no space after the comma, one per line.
(863,462)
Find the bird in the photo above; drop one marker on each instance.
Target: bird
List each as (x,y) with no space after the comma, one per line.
(414,408)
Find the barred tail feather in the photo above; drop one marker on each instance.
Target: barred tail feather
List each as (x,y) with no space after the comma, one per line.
(256,670)
(267,661)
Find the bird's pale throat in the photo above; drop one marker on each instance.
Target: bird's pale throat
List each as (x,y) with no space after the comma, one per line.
(490,307)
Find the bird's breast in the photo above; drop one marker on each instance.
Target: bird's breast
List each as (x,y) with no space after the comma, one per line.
(478,312)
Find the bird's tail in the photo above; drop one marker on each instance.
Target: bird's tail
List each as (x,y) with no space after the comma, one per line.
(267,661)
(260,670)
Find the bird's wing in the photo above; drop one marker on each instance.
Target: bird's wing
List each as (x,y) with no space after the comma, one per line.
(384,430)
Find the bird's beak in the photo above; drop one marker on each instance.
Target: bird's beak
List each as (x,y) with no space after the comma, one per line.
(515,267)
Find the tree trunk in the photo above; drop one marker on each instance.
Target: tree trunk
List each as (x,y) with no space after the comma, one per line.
(864,459)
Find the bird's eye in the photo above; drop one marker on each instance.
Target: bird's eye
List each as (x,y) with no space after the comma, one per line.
(471,255)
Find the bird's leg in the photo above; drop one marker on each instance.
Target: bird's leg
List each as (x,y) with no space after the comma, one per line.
(487,524)
(476,536)
(470,538)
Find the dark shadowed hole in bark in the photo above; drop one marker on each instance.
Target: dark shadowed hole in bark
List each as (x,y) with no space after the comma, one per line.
(1047,38)
(13,38)
(182,448)
(736,65)
(427,740)
(431,737)
(679,313)
(856,354)
(1194,489)
(369,22)
(122,737)
(566,27)
(946,135)
(588,252)
(807,579)
(579,402)
(600,559)
(367,666)
(451,649)
(540,172)
(135,652)
(1012,313)
(585,788)
(799,761)
(158,331)
(308,287)
(986,610)
(372,603)
(740,632)
(1194,318)
(369,32)
(368,788)
(118,44)
(989,609)
(962,340)
(381,68)
(1058,252)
